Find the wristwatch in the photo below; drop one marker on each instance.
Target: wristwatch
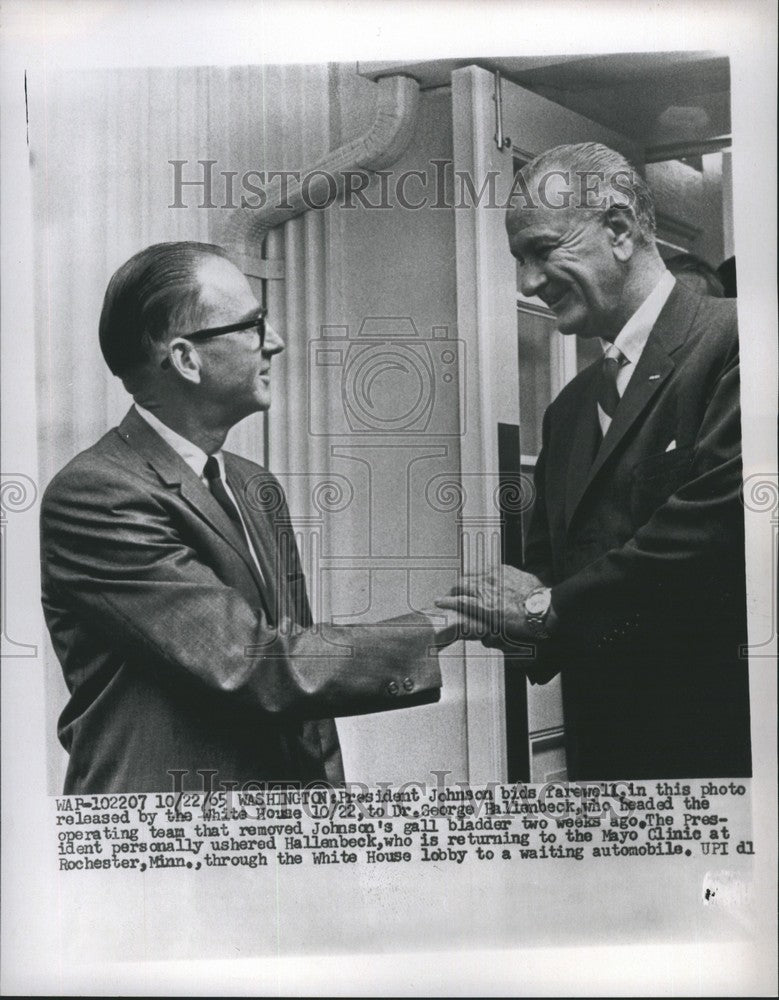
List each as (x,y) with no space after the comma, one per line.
(537,604)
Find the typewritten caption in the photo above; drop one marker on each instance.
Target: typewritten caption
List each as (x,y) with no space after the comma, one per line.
(413,824)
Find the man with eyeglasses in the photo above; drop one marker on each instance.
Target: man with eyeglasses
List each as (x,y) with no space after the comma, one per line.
(175,601)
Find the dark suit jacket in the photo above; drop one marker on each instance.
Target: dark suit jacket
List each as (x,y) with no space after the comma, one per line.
(177,656)
(644,550)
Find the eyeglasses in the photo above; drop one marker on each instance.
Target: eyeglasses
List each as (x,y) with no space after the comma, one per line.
(258,324)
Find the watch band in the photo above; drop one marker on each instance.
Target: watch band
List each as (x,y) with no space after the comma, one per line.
(536,620)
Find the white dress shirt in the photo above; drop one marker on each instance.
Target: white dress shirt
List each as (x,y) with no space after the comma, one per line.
(632,338)
(196,459)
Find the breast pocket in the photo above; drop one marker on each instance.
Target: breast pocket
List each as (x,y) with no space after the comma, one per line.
(655,479)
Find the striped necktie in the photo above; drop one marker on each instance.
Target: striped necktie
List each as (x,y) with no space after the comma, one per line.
(608,392)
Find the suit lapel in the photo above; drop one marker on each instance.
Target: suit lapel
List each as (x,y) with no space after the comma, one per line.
(586,438)
(652,371)
(176,474)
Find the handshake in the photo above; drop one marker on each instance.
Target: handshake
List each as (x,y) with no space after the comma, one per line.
(494,606)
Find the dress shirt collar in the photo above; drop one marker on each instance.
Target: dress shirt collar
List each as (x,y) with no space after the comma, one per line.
(633,336)
(194,457)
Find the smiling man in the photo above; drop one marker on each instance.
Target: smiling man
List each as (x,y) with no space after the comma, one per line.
(633,580)
(176,604)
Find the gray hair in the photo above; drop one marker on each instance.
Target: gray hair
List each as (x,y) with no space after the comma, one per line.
(616,178)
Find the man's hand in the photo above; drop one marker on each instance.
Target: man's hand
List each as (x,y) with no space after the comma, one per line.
(493,603)
(450,625)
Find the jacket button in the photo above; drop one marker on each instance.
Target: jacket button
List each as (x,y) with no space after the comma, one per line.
(393,687)
(408,684)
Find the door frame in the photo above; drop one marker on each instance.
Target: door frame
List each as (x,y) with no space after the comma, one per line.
(487,325)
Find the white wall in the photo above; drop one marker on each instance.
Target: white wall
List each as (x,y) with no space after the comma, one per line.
(401,263)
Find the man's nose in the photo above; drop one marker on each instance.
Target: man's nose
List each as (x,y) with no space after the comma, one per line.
(273,343)
(531,279)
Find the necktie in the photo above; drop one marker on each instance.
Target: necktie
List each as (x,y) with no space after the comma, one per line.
(216,485)
(608,393)
(219,493)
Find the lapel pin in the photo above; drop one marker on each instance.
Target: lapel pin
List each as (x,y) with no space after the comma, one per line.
(653,377)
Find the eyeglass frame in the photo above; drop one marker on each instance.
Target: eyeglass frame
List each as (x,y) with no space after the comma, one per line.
(217,331)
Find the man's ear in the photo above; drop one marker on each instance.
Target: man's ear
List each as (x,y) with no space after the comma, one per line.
(622,228)
(184,360)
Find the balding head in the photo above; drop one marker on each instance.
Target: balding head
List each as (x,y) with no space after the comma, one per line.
(587,176)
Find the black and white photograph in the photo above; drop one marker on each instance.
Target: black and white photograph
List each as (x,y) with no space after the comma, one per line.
(389,498)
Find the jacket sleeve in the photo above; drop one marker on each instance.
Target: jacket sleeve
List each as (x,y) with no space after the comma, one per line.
(113,559)
(690,546)
(538,547)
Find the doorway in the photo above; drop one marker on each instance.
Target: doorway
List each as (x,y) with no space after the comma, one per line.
(518,364)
